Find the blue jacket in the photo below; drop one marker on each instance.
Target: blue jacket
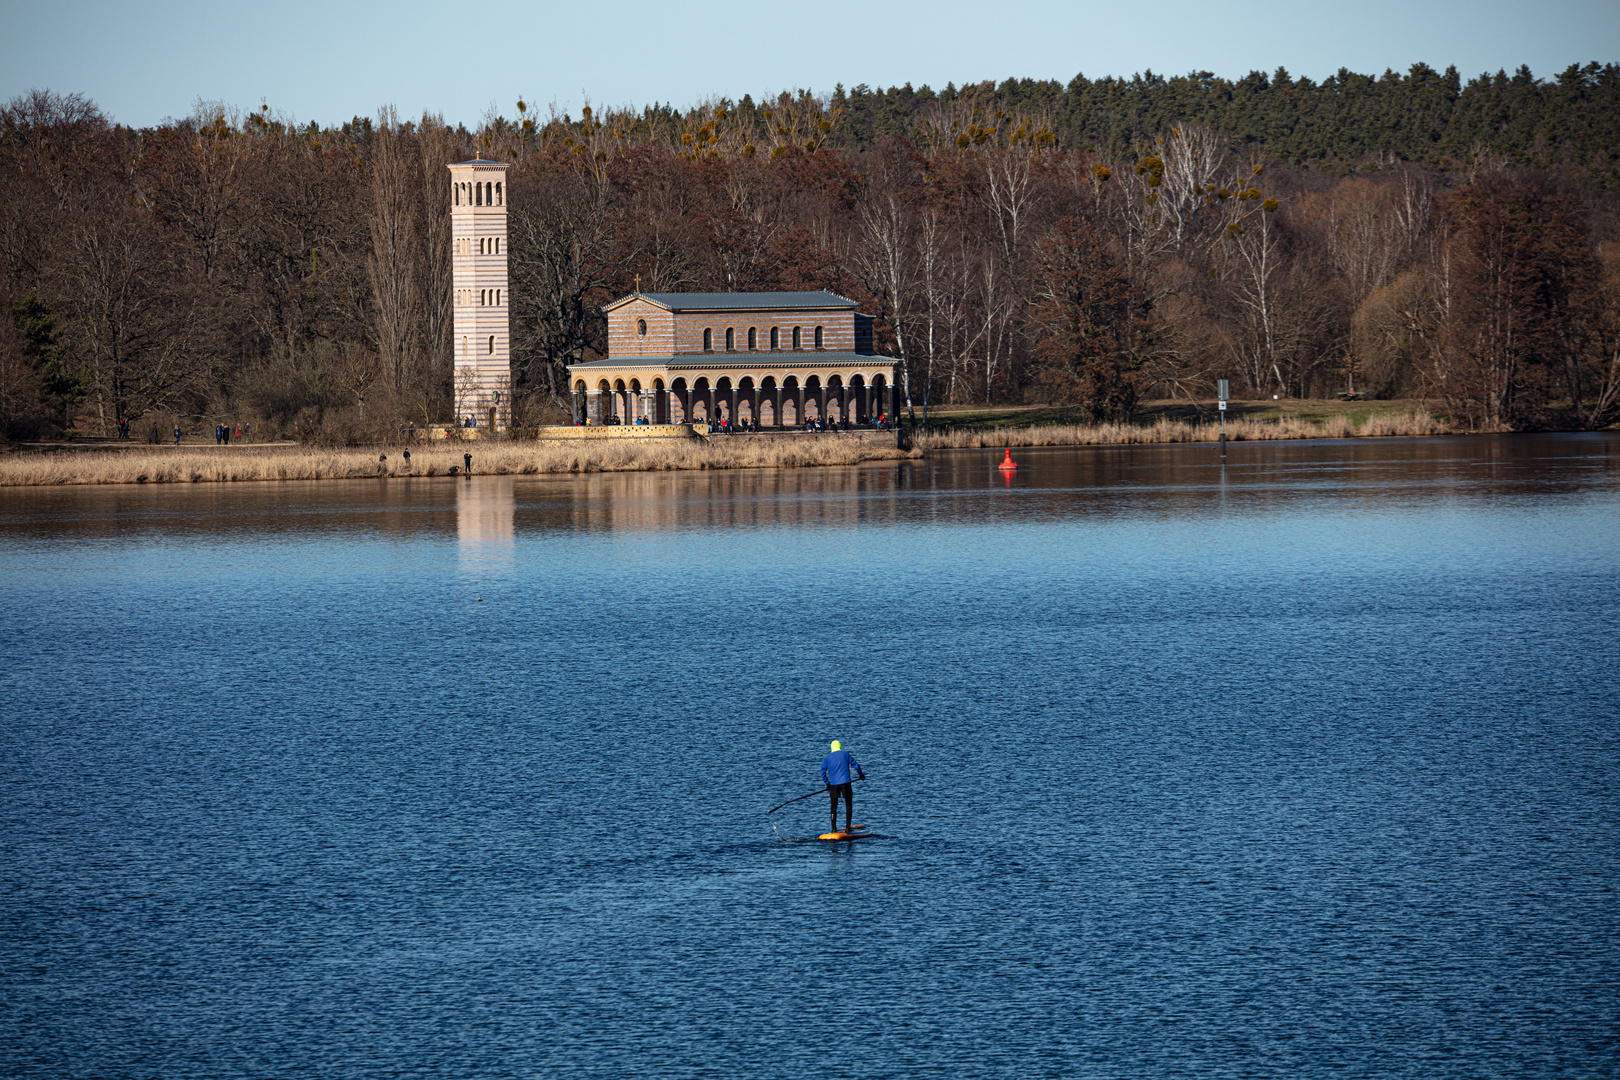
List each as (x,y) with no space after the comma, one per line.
(836,767)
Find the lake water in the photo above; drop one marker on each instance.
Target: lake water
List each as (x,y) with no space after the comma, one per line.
(1304,766)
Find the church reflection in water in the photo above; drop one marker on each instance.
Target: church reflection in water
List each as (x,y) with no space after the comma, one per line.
(485,506)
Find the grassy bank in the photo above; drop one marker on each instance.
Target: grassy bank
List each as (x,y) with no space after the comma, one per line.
(187,464)
(957,417)
(126,464)
(1167,430)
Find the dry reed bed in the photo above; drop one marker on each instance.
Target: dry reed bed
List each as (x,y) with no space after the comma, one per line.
(216,464)
(1179,431)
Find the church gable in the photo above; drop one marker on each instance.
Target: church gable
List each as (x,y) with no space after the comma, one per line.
(639,327)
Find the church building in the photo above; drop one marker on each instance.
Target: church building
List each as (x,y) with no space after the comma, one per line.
(777,359)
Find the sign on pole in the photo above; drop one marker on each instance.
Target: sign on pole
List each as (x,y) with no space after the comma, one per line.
(1221,391)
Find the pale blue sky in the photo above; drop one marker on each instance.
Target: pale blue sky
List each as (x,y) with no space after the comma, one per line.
(331,61)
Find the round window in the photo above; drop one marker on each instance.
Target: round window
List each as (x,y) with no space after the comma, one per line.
(641,327)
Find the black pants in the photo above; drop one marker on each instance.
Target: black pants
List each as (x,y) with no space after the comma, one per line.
(848,792)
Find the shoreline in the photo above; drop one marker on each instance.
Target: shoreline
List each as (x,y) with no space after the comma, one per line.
(145,464)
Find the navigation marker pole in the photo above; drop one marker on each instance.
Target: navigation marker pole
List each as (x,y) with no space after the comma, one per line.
(1221,392)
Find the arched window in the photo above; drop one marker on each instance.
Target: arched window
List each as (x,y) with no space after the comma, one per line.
(753,339)
(796,343)
(489,194)
(455,190)
(731,339)
(708,340)
(492,344)
(818,337)
(498,195)
(641,328)
(478,192)
(776,337)
(464,345)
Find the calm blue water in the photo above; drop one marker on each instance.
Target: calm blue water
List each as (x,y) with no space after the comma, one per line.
(1307,767)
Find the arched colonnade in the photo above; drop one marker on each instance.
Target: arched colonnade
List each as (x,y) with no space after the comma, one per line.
(769,402)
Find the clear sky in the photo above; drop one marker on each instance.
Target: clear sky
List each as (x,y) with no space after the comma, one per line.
(143,62)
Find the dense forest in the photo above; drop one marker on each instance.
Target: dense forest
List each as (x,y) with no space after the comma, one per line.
(1096,245)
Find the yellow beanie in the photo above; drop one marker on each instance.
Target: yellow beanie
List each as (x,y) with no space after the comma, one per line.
(837,745)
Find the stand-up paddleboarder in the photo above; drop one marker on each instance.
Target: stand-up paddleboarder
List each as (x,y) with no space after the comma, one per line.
(835,770)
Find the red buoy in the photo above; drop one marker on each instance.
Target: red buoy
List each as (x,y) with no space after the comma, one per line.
(1007,462)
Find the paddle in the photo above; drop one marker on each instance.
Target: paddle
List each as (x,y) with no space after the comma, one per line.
(801,798)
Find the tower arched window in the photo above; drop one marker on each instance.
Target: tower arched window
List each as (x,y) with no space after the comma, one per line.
(731,339)
(498,195)
(492,344)
(753,339)
(708,340)
(776,337)
(489,194)
(818,337)
(797,344)
(478,195)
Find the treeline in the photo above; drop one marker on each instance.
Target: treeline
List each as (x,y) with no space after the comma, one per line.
(1569,124)
(238,267)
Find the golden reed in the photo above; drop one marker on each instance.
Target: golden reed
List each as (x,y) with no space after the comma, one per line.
(1180,431)
(197,464)
(203,464)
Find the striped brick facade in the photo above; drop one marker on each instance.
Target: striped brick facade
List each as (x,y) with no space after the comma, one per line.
(480,300)
(670,333)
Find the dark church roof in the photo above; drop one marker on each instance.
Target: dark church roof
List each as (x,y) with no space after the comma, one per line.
(818,300)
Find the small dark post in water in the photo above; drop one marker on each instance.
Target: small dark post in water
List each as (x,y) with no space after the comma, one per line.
(1221,392)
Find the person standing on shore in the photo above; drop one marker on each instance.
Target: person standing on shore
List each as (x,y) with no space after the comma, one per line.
(835,770)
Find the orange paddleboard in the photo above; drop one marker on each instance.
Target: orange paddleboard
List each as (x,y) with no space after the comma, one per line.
(854,833)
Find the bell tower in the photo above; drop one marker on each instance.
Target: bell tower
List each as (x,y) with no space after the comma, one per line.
(483,358)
